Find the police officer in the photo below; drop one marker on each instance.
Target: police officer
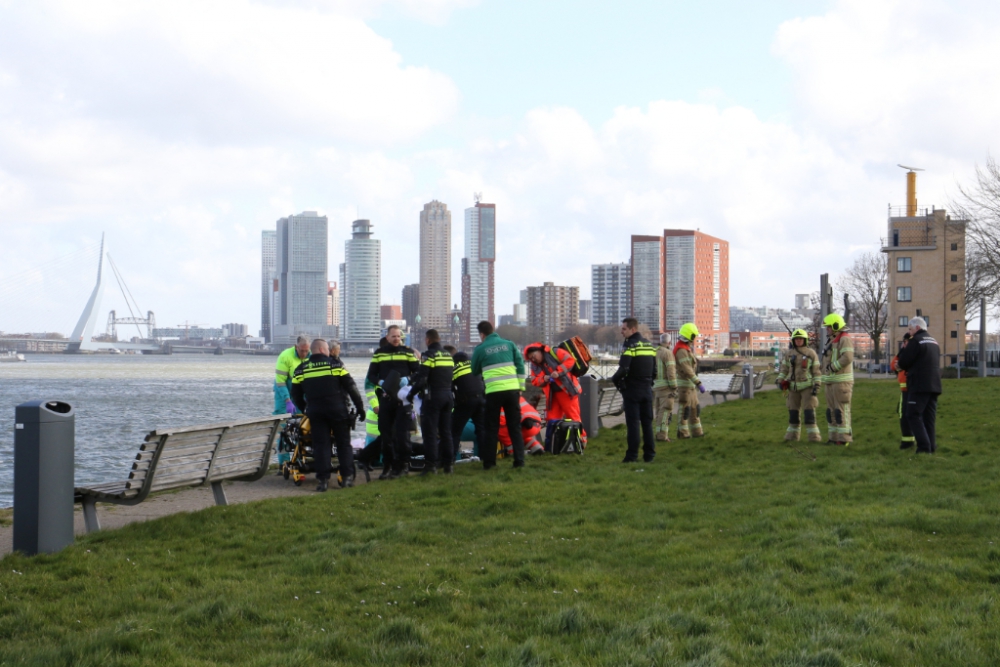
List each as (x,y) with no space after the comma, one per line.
(470,400)
(433,378)
(921,359)
(634,379)
(321,387)
(393,416)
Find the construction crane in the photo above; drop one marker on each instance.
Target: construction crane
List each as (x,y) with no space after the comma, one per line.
(187,325)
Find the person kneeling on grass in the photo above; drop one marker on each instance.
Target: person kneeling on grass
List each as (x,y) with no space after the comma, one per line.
(531,426)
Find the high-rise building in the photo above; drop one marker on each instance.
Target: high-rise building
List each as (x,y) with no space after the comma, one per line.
(696,286)
(332,305)
(391,312)
(268,252)
(610,292)
(435,265)
(926,255)
(341,275)
(647,281)
(552,309)
(300,265)
(586,311)
(362,286)
(802,301)
(411,303)
(477,268)
(235,330)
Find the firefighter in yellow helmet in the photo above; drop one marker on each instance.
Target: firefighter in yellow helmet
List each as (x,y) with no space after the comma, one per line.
(838,376)
(799,377)
(688,384)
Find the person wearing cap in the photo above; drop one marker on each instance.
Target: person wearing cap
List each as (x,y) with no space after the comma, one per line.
(906,435)
(799,379)
(921,359)
(838,378)
(634,379)
(688,384)
(664,389)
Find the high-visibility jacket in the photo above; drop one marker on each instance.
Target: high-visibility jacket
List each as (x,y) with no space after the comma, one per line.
(900,373)
(288,361)
(531,424)
(499,363)
(801,368)
(687,365)
(435,372)
(838,362)
(636,368)
(666,369)
(323,384)
(371,424)
(555,360)
(468,388)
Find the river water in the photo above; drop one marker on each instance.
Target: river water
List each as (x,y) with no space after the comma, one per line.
(120,399)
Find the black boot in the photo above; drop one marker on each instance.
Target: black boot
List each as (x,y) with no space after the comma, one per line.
(429,469)
(323,485)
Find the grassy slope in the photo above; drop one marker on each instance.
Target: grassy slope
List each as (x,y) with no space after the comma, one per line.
(729,550)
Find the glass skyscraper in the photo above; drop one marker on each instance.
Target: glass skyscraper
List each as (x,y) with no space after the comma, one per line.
(362,285)
(301,270)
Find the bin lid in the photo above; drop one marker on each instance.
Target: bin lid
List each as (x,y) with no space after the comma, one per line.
(43,411)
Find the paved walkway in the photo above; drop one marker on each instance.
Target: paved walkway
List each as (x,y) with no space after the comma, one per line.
(192,500)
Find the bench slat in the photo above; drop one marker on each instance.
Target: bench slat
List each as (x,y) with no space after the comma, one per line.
(192,440)
(243,443)
(200,450)
(270,419)
(256,447)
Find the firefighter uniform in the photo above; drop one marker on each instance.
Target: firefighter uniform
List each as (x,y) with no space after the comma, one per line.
(906,435)
(688,386)
(470,400)
(393,416)
(434,379)
(800,377)
(838,378)
(664,391)
(322,387)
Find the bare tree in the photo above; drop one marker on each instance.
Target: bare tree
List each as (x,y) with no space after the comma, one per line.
(979,204)
(867,285)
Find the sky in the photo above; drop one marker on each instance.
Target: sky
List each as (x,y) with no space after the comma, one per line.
(181,130)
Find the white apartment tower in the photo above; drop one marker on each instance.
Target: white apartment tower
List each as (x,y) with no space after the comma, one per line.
(300,267)
(362,285)
(610,293)
(435,266)
(268,252)
(477,268)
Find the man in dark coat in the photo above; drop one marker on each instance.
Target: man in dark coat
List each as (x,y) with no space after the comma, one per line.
(921,359)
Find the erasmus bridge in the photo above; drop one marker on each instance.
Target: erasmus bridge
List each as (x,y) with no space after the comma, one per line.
(40,295)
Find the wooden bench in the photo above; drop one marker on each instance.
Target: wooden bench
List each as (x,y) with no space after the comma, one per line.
(174,458)
(735,387)
(609,401)
(758,380)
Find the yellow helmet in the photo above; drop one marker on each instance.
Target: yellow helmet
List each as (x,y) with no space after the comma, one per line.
(689,331)
(800,333)
(834,321)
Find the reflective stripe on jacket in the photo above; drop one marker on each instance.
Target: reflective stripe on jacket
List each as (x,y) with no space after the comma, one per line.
(838,362)
(287,362)
(801,368)
(371,424)
(686,365)
(666,369)
(499,363)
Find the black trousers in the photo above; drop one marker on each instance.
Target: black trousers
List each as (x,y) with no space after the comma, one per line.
(639,419)
(510,402)
(904,420)
(322,424)
(394,429)
(464,411)
(435,420)
(371,453)
(921,411)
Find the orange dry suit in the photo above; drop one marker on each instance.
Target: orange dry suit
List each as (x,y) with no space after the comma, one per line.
(531,426)
(562,395)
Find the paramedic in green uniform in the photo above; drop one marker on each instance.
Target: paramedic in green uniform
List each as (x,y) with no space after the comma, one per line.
(288,361)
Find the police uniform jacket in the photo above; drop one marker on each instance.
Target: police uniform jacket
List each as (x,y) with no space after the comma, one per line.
(636,368)
(921,359)
(468,388)
(434,373)
(323,385)
(387,359)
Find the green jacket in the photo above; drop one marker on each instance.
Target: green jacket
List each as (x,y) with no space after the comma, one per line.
(499,363)
(288,361)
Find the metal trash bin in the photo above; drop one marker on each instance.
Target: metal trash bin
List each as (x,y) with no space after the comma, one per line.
(747,391)
(44,434)
(589,405)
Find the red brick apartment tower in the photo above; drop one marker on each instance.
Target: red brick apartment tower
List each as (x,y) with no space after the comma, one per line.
(696,286)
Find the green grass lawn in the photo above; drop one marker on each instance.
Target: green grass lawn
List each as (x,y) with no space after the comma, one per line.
(729,550)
